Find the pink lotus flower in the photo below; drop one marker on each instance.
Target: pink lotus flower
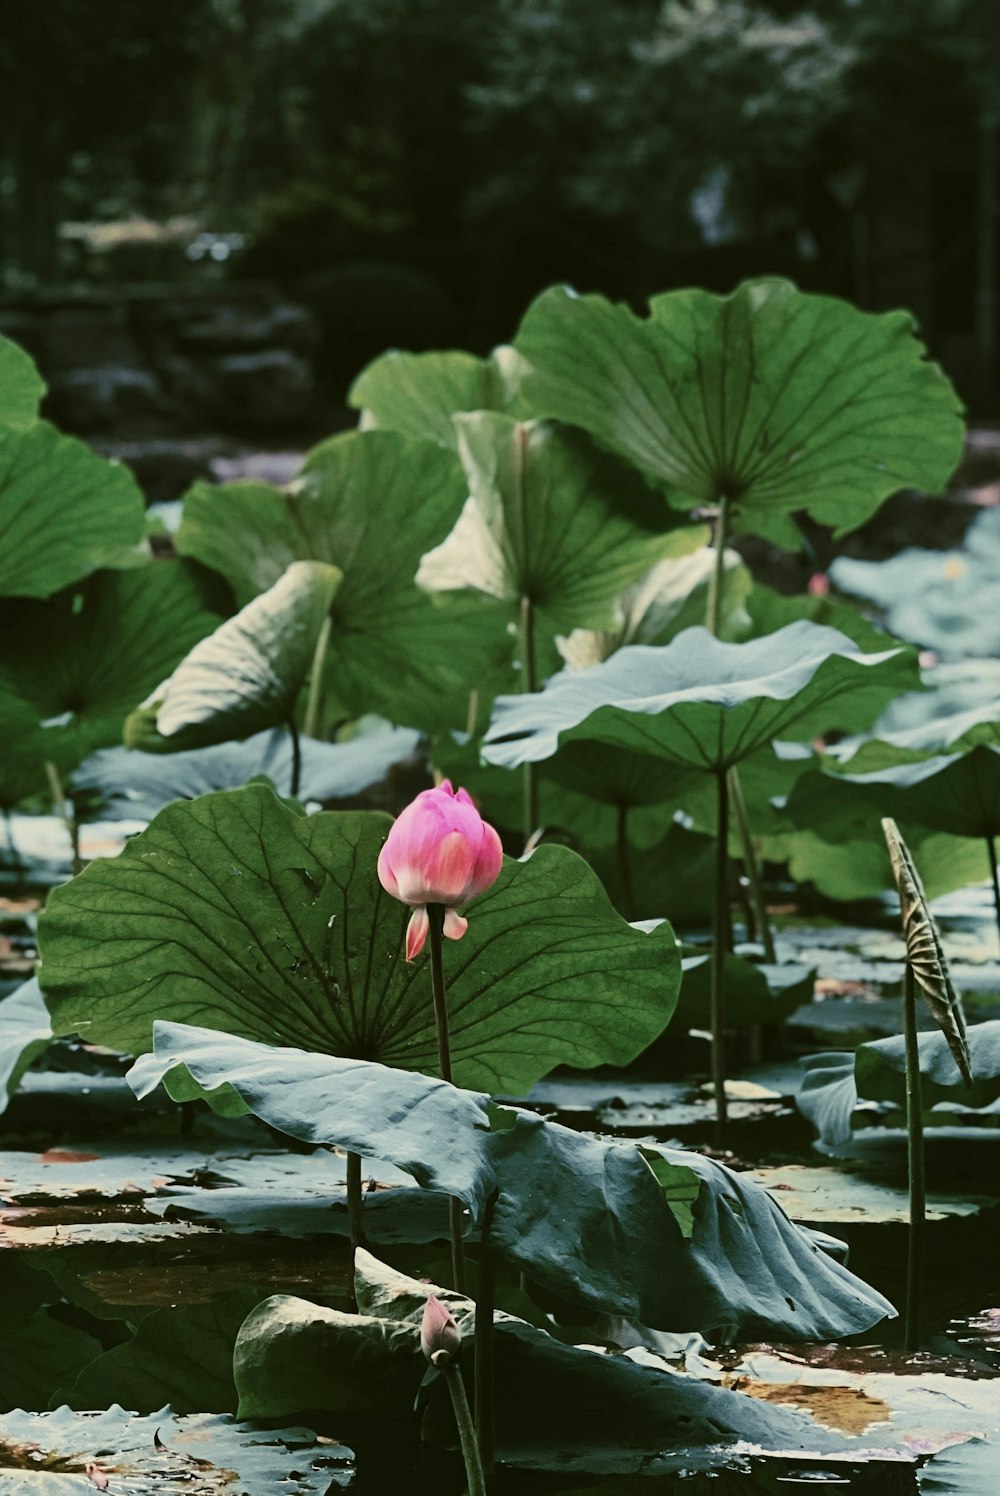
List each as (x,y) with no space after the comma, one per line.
(439,851)
(438,1331)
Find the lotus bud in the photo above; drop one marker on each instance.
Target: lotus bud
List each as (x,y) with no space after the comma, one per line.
(440,1339)
(439,851)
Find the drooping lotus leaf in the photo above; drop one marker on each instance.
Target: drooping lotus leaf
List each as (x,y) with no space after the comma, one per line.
(877,1070)
(130,784)
(74,666)
(954,792)
(21,386)
(754,994)
(779,400)
(246,676)
(234,911)
(583,1216)
(551,519)
(417,394)
(64,511)
(700,702)
(25,1032)
(209,1452)
(948,601)
(370,503)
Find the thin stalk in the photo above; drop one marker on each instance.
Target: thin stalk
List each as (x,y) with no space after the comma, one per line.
(355,1201)
(991,848)
(466,1432)
(713,621)
(484,1391)
(719,944)
(915,1151)
(436,918)
(752,866)
(296,758)
(66,811)
(529,682)
(314,700)
(625,865)
(472,714)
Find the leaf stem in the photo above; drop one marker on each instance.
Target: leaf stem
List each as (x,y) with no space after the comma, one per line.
(314,700)
(355,1202)
(915,1158)
(754,879)
(719,944)
(484,1391)
(713,621)
(296,758)
(435,914)
(66,811)
(529,682)
(991,848)
(625,864)
(466,1432)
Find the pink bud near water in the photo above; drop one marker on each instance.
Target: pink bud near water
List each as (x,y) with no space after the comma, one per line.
(438,1331)
(819,584)
(439,851)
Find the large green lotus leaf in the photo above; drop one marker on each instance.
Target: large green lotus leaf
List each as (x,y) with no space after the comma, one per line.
(246,676)
(769,611)
(858,866)
(877,1070)
(754,994)
(700,702)
(64,511)
(780,400)
(235,911)
(583,1216)
(21,386)
(417,394)
(671,597)
(958,793)
(946,732)
(552,519)
(207,1453)
(74,666)
(370,503)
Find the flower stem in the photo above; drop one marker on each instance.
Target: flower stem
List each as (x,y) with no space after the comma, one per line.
(466,1432)
(435,914)
(719,944)
(915,1159)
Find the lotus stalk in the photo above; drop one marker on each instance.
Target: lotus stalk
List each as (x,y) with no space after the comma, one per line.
(441,1342)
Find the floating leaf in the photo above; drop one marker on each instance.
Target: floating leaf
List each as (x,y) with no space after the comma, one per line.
(582,1215)
(247,675)
(236,911)
(700,702)
(780,400)
(924,951)
(64,511)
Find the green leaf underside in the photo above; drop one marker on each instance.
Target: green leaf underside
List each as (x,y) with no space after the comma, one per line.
(877,1070)
(246,676)
(231,910)
(417,394)
(700,702)
(21,387)
(955,793)
(680,1186)
(74,666)
(25,1032)
(584,1216)
(552,519)
(784,401)
(64,511)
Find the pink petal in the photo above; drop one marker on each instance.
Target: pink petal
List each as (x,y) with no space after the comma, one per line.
(416,932)
(454,925)
(438,1330)
(488,864)
(386,876)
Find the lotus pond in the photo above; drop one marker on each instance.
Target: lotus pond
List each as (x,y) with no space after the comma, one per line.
(496,995)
